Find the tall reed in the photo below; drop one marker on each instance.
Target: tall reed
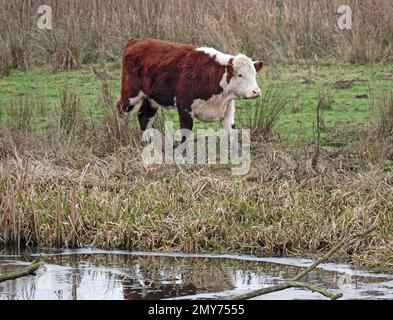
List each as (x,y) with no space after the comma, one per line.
(90,31)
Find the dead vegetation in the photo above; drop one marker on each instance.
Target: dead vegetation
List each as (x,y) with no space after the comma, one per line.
(279,31)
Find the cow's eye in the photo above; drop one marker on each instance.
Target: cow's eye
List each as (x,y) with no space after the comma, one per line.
(240,75)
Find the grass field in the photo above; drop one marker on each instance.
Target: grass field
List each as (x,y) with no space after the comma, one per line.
(83,184)
(299,84)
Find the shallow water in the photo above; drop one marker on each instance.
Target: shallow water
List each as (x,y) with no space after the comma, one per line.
(98,274)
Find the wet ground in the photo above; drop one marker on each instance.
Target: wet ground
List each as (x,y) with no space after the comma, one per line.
(116,275)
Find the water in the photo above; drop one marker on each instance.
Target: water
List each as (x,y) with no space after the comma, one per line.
(97,274)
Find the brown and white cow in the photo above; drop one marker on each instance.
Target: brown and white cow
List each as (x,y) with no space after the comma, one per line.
(200,82)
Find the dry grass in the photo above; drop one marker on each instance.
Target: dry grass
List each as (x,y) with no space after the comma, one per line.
(89,31)
(385,119)
(87,186)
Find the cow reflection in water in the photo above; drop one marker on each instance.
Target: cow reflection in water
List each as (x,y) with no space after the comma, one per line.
(175,283)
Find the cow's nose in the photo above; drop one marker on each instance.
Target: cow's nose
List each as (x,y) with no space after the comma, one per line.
(256,92)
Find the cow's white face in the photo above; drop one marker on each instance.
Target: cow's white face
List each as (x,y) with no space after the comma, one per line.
(243,82)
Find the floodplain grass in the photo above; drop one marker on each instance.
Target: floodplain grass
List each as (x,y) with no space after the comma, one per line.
(299,83)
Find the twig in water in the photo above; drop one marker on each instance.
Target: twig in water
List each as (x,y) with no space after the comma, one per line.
(19,274)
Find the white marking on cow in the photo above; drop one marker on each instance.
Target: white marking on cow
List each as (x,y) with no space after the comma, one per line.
(209,110)
(139,97)
(224,82)
(154,104)
(134,102)
(241,61)
(221,58)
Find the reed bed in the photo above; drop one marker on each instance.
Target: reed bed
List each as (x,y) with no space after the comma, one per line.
(278,31)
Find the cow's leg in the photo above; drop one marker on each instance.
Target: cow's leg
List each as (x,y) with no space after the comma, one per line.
(186,123)
(228,123)
(146,114)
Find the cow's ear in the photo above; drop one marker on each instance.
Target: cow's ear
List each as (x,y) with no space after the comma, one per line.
(259,65)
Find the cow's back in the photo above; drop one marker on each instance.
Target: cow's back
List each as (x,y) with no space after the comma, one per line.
(154,49)
(157,65)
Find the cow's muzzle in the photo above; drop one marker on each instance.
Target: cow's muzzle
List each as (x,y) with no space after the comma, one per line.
(256,93)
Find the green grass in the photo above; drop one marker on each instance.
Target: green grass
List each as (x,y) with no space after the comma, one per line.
(47,86)
(346,108)
(296,122)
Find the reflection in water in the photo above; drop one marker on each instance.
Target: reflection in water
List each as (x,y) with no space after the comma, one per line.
(176,279)
(121,275)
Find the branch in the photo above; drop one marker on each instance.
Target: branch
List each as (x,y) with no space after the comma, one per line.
(18,274)
(287,285)
(294,281)
(333,250)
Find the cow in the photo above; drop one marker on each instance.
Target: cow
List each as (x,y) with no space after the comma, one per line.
(201,82)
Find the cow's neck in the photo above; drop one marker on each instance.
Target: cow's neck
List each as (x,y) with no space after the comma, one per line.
(212,109)
(227,97)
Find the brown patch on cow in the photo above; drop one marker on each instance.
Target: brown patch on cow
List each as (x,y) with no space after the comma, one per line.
(152,66)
